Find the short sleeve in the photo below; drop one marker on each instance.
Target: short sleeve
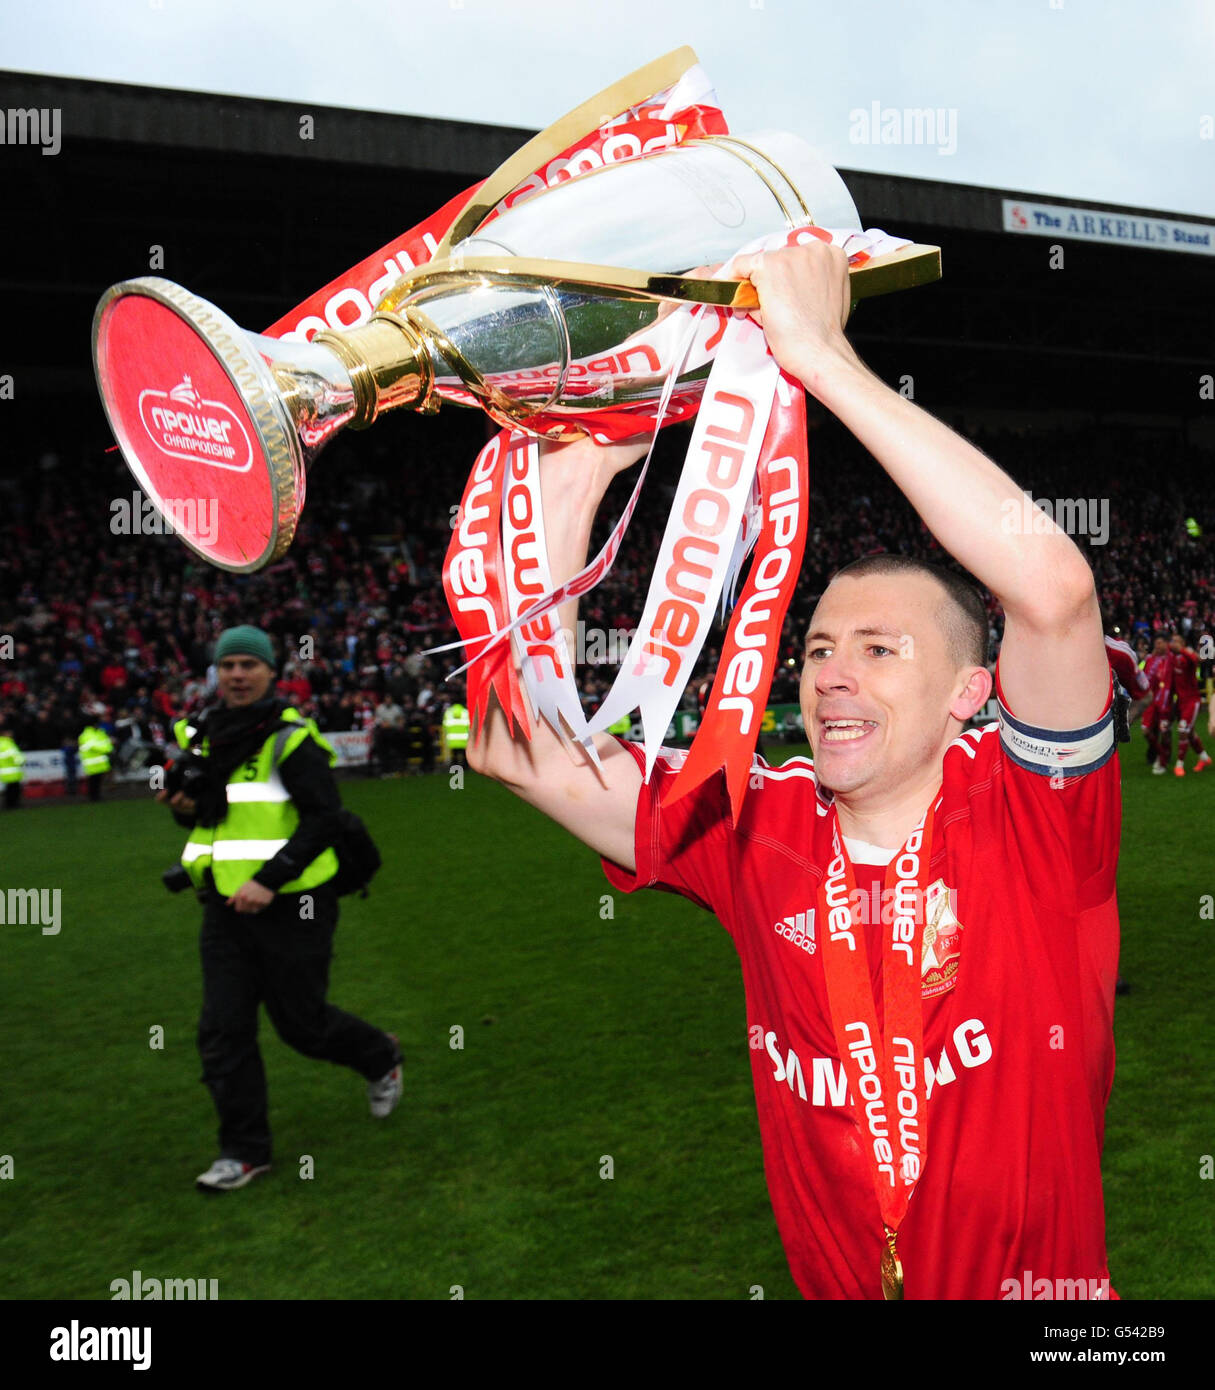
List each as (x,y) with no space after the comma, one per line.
(684,847)
(1063,792)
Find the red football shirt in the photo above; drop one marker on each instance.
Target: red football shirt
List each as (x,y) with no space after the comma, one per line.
(1159,671)
(1125,666)
(1185,675)
(1018,994)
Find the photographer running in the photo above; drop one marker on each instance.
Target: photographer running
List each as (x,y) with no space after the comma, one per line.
(256,789)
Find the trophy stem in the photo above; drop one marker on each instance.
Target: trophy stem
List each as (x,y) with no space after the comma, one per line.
(388,363)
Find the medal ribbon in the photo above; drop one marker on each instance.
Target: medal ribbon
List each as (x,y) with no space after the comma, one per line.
(885,1070)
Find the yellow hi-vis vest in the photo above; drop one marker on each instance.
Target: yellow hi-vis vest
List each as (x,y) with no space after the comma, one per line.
(260,818)
(12,760)
(95,749)
(455,726)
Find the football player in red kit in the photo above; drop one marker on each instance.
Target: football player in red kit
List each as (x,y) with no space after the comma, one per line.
(931,1085)
(1188,701)
(1158,716)
(1125,666)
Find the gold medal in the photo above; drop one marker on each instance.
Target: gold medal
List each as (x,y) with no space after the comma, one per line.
(892,1270)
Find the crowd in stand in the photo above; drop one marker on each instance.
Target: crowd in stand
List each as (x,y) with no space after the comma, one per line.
(119,629)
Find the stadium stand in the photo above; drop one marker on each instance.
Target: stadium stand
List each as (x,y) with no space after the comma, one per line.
(1080,393)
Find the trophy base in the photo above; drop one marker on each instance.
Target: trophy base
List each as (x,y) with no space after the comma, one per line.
(201,421)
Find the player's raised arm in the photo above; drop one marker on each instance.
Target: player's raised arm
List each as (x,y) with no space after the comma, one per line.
(1053,669)
(548,771)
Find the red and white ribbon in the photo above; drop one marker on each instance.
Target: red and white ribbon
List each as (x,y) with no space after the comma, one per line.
(735,709)
(546,665)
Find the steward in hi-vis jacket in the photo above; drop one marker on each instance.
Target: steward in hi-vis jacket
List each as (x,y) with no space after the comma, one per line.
(455,730)
(254,784)
(12,760)
(94,747)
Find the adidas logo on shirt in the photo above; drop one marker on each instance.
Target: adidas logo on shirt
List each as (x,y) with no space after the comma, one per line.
(798,930)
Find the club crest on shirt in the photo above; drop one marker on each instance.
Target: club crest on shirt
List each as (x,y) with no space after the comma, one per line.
(942,948)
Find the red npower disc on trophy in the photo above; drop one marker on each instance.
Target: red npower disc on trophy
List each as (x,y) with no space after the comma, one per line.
(200,421)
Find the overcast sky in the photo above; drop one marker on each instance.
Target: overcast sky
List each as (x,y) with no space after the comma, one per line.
(1094,99)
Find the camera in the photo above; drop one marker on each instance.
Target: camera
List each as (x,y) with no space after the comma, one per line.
(176,880)
(187,774)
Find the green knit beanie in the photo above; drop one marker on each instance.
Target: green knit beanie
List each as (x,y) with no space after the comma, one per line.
(245,641)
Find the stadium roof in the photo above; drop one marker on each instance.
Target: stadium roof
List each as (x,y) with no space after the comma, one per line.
(254,218)
(122,113)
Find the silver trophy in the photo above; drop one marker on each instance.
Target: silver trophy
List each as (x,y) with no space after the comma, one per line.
(554,315)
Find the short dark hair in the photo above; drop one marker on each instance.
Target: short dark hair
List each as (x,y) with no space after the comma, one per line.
(965,616)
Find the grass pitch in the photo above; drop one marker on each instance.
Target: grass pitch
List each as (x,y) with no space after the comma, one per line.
(600,1034)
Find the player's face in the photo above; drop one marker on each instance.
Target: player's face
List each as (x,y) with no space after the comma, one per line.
(878,682)
(1176,644)
(1160,647)
(243,680)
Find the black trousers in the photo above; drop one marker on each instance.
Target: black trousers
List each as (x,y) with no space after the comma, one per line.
(12,795)
(272,957)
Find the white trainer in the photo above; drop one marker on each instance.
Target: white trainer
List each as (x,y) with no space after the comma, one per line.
(383,1095)
(227,1174)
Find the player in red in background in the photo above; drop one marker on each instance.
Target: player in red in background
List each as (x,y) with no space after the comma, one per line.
(1125,665)
(1158,717)
(1126,670)
(1188,699)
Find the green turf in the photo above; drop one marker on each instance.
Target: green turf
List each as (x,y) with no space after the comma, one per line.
(585,1039)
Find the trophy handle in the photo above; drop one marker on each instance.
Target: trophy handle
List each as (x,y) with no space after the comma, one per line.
(496,404)
(553,140)
(904,269)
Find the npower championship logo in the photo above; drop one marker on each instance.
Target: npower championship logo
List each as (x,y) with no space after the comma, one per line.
(184,426)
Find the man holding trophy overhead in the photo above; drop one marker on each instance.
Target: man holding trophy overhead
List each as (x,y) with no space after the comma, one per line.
(945,1153)
(925,916)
